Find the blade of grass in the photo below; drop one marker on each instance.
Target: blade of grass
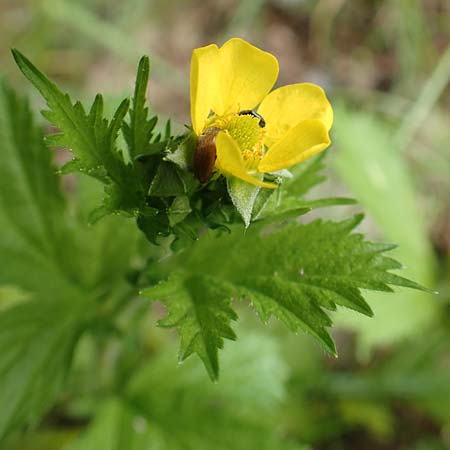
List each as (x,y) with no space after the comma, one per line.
(425,102)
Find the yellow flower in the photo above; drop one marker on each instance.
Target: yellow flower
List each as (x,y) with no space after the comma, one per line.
(227,85)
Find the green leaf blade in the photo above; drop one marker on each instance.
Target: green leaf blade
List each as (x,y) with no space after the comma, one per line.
(295,272)
(93,141)
(36,343)
(138,132)
(287,302)
(199,307)
(60,266)
(71,119)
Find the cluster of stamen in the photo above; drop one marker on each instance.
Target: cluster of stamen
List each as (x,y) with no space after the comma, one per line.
(248,131)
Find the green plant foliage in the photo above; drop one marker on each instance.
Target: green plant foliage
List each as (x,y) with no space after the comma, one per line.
(207,415)
(294,273)
(243,196)
(36,343)
(36,337)
(141,181)
(200,308)
(82,364)
(146,179)
(55,264)
(371,165)
(139,131)
(275,206)
(114,427)
(291,271)
(92,139)
(306,176)
(27,187)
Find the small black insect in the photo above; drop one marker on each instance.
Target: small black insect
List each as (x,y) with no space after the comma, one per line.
(249,112)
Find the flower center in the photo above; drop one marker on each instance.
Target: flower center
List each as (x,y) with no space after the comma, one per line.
(247,130)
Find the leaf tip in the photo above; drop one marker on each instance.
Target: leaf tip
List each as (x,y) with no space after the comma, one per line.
(214,375)
(20,59)
(16,54)
(144,63)
(357,219)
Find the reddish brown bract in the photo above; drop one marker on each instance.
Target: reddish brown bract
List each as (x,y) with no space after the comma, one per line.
(205,154)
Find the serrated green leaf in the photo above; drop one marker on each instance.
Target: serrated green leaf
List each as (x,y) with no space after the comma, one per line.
(292,305)
(31,203)
(199,307)
(138,133)
(28,184)
(295,273)
(70,118)
(92,139)
(60,267)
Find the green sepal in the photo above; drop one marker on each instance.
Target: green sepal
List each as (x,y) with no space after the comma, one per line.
(243,195)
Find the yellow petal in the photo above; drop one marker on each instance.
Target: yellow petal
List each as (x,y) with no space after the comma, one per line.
(204,84)
(230,161)
(300,142)
(247,74)
(289,105)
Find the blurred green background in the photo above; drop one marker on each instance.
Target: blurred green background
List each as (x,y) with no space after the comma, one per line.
(385,65)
